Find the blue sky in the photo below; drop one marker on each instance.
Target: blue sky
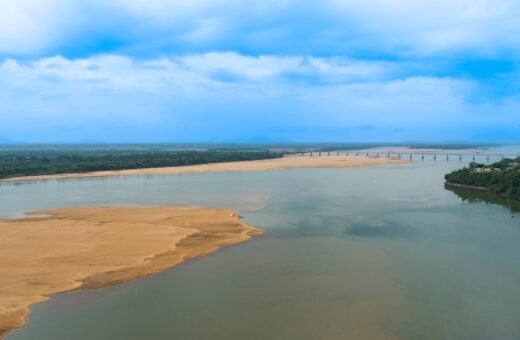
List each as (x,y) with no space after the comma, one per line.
(269,71)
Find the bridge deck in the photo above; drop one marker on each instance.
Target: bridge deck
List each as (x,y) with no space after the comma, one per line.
(415,155)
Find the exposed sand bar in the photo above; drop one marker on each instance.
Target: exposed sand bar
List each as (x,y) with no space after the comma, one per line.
(60,250)
(267,164)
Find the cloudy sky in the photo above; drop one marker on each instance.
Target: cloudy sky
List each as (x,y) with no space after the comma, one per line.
(266,71)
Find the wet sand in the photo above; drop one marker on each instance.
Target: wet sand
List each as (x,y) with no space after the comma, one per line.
(284,163)
(60,250)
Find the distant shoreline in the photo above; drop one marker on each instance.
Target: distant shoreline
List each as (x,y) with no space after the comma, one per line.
(291,162)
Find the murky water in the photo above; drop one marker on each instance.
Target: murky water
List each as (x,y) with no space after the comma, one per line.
(376,252)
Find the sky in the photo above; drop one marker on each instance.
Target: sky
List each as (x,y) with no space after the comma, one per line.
(117,71)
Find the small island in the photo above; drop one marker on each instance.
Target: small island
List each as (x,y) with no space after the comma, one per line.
(54,251)
(501,178)
(276,163)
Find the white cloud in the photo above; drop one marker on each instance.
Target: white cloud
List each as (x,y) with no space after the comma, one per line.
(28,26)
(273,95)
(426,27)
(411,27)
(248,67)
(121,71)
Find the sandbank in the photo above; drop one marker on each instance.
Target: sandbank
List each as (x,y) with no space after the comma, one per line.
(54,251)
(284,163)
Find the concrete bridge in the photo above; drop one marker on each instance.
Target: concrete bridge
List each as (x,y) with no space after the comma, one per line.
(416,155)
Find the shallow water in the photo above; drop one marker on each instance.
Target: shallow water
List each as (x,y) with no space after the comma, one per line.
(375,252)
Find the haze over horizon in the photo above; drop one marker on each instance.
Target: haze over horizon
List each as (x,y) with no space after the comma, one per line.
(273,71)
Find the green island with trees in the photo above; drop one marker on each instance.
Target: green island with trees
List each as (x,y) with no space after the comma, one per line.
(17,163)
(501,178)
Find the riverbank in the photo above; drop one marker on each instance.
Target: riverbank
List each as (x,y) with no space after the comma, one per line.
(55,251)
(285,163)
(464,186)
(501,178)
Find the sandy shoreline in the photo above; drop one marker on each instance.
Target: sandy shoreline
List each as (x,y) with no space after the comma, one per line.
(79,248)
(285,163)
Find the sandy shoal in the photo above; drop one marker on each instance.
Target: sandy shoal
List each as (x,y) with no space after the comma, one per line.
(60,250)
(291,162)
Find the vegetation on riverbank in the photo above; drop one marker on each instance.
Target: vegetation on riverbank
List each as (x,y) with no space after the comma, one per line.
(16,163)
(500,178)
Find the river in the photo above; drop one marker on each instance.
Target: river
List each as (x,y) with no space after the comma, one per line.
(377,252)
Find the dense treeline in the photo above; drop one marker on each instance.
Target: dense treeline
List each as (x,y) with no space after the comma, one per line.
(40,162)
(501,178)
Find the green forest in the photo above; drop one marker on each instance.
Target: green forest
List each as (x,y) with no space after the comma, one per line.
(501,178)
(15,163)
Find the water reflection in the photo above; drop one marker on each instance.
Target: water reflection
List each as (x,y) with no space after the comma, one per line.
(471,195)
(386,230)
